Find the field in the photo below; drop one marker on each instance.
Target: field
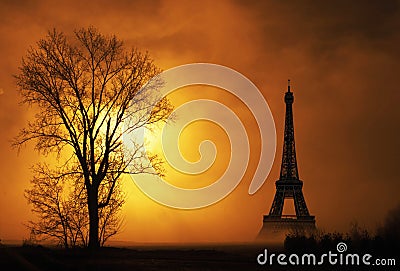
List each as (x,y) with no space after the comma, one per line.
(239,257)
(160,257)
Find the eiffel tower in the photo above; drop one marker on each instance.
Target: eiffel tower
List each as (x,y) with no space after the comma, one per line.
(288,186)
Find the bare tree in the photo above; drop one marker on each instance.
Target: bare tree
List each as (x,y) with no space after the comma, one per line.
(85,89)
(46,196)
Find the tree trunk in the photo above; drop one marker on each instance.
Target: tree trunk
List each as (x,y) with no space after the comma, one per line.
(93,218)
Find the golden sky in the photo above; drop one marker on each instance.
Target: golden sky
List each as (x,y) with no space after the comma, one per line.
(342,58)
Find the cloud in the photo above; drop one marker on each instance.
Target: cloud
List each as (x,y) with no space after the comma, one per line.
(1,91)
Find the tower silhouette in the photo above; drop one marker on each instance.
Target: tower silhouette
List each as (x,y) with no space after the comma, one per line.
(289,185)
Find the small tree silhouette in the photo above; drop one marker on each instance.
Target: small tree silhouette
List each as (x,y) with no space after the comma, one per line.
(60,204)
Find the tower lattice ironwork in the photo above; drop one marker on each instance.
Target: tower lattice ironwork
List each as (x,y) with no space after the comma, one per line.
(289,185)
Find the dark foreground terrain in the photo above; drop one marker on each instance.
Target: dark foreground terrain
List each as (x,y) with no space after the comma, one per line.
(234,257)
(147,258)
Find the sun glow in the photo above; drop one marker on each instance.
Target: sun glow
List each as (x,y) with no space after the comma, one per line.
(189,142)
(193,135)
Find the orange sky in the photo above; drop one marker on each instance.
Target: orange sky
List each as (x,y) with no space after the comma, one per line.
(342,58)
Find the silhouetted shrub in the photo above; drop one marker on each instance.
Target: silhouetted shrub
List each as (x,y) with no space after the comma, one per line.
(385,242)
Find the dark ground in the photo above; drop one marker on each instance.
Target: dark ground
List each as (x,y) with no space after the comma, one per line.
(229,257)
(145,258)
